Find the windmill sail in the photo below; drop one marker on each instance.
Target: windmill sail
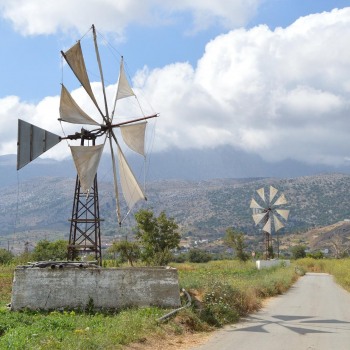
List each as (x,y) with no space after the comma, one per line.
(283,212)
(124,88)
(261,193)
(281,200)
(258,217)
(131,189)
(134,136)
(70,111)
(273,192)
(278,224)
(86,160)
(75,59)
(267,226)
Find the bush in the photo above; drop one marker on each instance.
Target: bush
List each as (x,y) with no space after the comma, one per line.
(5,256)
(298,252)
(181,258)
(198,256)
(46,250)
(221,304)
(316,255)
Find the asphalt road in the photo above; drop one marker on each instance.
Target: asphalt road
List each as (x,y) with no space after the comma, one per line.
(314,315)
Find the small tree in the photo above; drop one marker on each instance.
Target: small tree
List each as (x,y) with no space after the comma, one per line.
(157,236)
(128,251)
(235,240)
(5,256)
(340,246)
(298,252)
(46,250)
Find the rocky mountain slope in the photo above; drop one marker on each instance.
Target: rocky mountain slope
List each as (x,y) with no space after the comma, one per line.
(41,207)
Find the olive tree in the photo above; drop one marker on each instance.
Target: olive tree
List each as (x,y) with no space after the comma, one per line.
(46,250)
(128,251)
(235,240)
(157,236)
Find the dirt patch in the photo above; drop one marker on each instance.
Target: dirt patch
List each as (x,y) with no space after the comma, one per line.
(172,342)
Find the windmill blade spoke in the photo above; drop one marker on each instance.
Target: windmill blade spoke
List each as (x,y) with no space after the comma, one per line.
(258,217)
(273,192)
(283,212)
(101,72)
(70,111)
(86,160)
(267,226)
(116,191)
(277,223)
(33,142)
(281,200)
(261,193)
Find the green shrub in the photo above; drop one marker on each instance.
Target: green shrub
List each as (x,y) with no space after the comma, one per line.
(198,256)
(222,304)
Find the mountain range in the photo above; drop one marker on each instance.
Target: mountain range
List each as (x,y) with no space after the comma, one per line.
(36,202)
(195,165)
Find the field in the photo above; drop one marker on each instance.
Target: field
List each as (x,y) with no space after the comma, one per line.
(221,291)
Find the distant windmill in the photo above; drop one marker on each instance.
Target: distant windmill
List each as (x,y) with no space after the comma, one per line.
(268,211)
(34,141)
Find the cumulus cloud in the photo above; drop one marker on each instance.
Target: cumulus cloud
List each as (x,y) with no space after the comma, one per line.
(46,17)
(280,94)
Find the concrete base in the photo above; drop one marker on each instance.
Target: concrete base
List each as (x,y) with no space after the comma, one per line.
(110,288)
(265,264)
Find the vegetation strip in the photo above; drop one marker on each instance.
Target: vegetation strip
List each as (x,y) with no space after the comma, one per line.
(221,291)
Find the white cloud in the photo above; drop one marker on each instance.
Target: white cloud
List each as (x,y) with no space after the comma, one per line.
(48,17)
(280,94)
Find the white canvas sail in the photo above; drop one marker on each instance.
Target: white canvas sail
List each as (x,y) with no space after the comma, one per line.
(134,136)
(132,191)
(258,217)
(273,192)
(283,212)
(86,160)
(75,59)
(254,204)
(267,227)
(278,224)
(261,193)
(281,200)
(124,88)
(70,111)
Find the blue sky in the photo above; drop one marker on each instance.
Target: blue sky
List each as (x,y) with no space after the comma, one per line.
(31,63)
(254,74)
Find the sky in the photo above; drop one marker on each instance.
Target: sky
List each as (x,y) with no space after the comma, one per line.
(270,77)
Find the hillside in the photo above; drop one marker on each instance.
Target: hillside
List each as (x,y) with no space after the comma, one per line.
(40,208)
(334,238)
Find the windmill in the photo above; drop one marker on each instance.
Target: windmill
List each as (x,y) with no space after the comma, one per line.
(268,211)
(33,141)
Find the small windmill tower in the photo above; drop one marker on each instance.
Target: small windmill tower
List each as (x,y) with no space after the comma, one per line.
(268,211)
